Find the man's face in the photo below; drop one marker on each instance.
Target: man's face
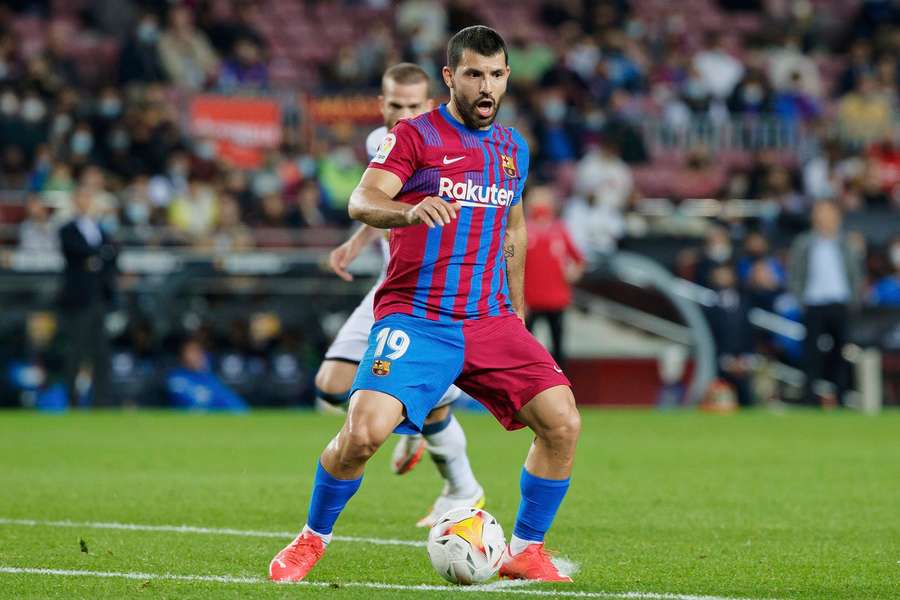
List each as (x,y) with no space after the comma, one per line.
(477,87)
(403,101)
(826,219)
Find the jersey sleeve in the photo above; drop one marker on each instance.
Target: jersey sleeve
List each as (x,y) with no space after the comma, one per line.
(399,151)
(523,158)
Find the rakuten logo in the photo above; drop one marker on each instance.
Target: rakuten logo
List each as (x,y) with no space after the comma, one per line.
(470,192)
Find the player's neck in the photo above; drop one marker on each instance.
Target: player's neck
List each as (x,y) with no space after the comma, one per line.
(454,112)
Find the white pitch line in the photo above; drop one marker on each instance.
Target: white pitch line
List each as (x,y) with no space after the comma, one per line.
(202,530)
(492,588)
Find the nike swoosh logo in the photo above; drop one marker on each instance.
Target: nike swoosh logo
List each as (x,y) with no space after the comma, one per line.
(557,369)
(450,161)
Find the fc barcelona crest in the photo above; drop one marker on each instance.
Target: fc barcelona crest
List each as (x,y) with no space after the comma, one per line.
(509,166)
(381,367)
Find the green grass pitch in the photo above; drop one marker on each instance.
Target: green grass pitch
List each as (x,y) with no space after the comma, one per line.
(755,505)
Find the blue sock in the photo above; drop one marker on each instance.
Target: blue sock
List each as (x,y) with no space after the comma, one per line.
(329,498)
(540,501)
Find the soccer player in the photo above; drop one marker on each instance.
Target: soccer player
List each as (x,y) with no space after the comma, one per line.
(405,93)
(448,184)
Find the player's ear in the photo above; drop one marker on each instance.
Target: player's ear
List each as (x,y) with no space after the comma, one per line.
(448,77)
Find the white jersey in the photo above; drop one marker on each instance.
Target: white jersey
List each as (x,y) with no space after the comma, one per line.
(373,142)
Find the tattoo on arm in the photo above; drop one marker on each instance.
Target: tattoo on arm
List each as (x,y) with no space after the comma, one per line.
(509,251)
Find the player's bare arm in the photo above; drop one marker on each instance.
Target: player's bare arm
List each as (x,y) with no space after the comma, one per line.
(341,257)
(514,246)
(372,202)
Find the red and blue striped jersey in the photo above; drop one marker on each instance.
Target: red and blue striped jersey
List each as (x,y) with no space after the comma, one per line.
(457,271)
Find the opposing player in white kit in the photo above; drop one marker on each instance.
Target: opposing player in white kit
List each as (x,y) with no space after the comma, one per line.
(405,93)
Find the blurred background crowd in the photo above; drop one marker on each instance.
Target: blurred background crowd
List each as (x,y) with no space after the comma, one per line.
(700,133)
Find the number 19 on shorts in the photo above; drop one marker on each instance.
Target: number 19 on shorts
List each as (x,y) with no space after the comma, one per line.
(396,341)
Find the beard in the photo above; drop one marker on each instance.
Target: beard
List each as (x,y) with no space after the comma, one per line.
(472,112)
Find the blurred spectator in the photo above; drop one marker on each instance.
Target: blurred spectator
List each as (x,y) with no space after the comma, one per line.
(189,60)
(865,113)
(604,189)
(756,250)
(339,172)
(791,69)
(139,60)
(860,63)
(886,291)
(193,386)
(825,275)
(717,251)
(529,59)
(793,103)
(307,210)
(554,264)
(823,175)
(719,71)
(884,163)
(225,32)
(732,333)
(230,234)
(752,96)
(194,211)
(36,233)
(87,294)
(245,70)
(54,68)
(622,128)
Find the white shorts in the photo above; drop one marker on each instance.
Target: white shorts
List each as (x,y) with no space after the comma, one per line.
(353,338)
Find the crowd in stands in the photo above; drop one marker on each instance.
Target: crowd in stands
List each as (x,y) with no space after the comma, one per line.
(90,96)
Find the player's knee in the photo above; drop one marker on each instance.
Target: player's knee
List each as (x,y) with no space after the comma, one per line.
(330,381)
(361,444)
(563,430)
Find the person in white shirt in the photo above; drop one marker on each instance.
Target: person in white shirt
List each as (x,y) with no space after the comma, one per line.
(603,189)
(825,275)
(719,70)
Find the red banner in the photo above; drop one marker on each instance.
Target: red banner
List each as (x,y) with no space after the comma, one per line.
(242,126)
(352,109)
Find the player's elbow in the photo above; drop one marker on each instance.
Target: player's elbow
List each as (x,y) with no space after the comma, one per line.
(354,207)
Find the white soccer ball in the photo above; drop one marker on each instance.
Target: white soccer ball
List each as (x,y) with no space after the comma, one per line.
(466,546)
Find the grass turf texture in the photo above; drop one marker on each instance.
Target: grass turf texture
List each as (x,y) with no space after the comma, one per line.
(759,505)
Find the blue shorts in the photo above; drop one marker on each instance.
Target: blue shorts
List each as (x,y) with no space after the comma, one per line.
(495,360)
(414,360)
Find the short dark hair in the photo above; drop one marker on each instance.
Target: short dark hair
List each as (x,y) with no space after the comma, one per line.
(477,38)
(405,73)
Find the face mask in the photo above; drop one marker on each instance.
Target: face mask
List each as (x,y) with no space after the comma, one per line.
(694,90)
(62,124)
(719,252)
(895,257)
(82,142)
(753,94)
(554,111)
(33,109)
(110,107)
(148,33)
(206,151)
(9,104)
(138,213)
(118,140)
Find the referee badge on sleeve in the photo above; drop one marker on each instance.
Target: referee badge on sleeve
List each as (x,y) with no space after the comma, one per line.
(384,150)
(381,367)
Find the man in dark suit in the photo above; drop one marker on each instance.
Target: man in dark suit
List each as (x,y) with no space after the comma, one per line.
(88,291)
